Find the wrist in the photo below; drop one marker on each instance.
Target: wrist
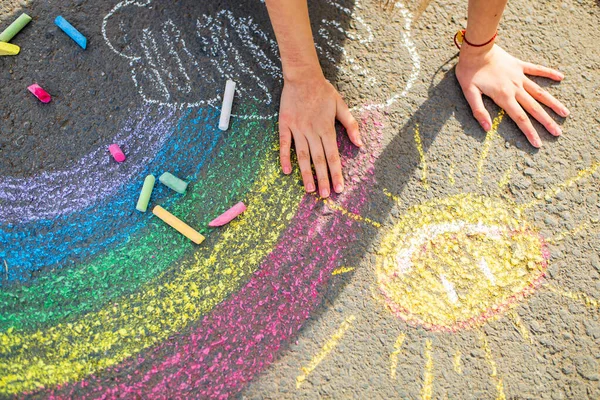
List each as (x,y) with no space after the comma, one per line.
(303,73)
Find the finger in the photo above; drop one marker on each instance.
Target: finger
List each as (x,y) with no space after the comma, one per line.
(344,115)
(535,109)
(541,95)
(516,112)
(333,160)
(540,70)
(318,158)
(473,96)
(303,154)
(285,144)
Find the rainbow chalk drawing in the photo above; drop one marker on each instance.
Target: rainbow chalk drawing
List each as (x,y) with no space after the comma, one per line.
(88,301)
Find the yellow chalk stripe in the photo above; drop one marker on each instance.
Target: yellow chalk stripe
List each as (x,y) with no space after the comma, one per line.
(327,348)
(68,352)
(342,270)
(456,362)
(427,389)
(349,214)
(490,136)
(585,226)
(516,320)
(395,353)
(391,196)
(490,360)
(419,144)
(577,296)
(178,225)
(450,174)
(454,259)
(582,174)
(505,178)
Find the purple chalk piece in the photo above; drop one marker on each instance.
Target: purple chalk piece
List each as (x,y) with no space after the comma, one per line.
(228,215)
(117,153)
(40,93)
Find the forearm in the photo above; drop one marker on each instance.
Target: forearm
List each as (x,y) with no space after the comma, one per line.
(291,24)
(483,19)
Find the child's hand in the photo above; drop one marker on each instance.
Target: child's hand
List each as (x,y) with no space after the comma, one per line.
(497,74)
(308,110)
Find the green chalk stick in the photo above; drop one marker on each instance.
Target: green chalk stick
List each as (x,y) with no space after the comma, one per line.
(14,28)
(142,204)
(173,182)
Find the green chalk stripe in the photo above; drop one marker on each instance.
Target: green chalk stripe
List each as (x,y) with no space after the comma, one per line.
(15,28)
(142,204)
(173,182)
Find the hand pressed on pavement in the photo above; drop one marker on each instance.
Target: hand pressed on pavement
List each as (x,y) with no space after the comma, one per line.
(502,77)
(307,113)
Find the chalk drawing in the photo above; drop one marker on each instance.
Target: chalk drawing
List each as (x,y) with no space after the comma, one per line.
(331,344)
(165,79)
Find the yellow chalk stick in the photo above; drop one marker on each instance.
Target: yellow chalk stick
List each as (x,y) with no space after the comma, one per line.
(178,224)
(7,49)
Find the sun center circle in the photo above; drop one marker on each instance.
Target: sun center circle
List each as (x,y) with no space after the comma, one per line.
(455,262)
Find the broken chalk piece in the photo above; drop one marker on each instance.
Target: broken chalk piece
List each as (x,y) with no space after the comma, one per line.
(40,93)
(178,224)
(7,49)
(228,215)
(227,103)
(142,204)
(173,182)
(14,28)
(71,31)
(117,153)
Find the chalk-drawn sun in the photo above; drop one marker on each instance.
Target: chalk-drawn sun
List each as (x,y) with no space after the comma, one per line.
(455,262)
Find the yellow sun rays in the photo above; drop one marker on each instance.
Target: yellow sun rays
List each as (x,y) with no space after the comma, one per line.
(331,344)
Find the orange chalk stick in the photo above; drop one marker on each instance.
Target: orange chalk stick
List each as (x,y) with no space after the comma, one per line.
(178,224)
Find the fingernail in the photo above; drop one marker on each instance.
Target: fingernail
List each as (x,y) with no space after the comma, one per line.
(310,187)
(561,75)
(287,170)
(360,143)
(537,143)
(557,131)
(339,188)
(486,126)
(324,192)
(564,112)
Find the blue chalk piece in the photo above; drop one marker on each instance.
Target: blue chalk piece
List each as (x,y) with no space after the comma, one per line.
(71,31)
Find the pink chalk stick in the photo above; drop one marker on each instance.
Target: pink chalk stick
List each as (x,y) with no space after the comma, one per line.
(40,93)
(116,152)
(228,215)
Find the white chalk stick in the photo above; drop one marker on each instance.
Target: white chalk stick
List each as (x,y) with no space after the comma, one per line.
(227,102)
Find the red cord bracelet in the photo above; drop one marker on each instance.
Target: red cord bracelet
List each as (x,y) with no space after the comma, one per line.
(460,37)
